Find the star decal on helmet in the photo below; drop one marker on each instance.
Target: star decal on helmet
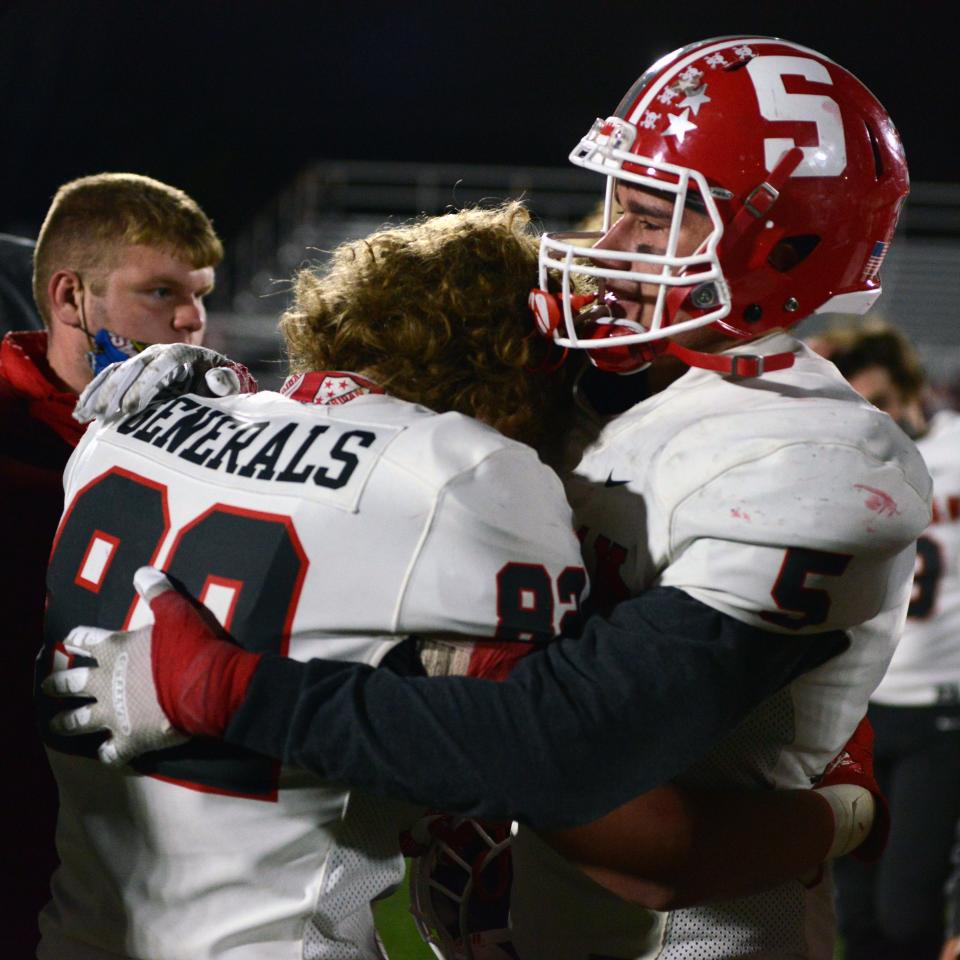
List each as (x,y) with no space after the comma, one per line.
(696,99)
(680,125)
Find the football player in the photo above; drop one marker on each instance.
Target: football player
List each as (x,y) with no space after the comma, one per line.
(759,182)
(274,510)
(758,515)
(895,908)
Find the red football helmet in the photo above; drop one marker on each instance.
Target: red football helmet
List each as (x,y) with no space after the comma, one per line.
(798,167)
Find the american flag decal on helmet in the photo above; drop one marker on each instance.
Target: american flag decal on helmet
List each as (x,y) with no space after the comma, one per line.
(875,260)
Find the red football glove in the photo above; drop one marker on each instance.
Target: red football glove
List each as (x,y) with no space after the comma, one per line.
(201,675)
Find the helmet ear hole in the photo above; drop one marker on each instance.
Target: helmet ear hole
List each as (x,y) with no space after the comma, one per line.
(875,147)
(789,251)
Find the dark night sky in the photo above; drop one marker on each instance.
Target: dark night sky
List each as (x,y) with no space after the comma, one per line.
(229,99)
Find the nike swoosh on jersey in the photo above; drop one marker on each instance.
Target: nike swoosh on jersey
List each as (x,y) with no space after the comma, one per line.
(610,482)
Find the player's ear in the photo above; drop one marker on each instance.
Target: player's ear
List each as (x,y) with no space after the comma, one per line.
(64,294)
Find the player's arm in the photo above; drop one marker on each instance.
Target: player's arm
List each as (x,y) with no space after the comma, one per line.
(677,846)
(628,706)
(674,847)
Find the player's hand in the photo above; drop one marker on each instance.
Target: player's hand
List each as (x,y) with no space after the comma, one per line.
(859,806)
(159,371)
(122,688)
(180,675)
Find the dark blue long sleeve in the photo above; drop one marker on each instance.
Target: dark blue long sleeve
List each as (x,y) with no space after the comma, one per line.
(576,730)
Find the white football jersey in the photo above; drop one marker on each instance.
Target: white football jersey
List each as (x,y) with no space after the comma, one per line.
(314,531)
(926,666)
(791,504)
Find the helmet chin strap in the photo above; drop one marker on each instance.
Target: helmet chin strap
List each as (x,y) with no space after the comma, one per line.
(731,364)
(635,357)
(757,203)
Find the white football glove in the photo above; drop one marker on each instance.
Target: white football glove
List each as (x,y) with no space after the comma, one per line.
(163,369)
(121,683)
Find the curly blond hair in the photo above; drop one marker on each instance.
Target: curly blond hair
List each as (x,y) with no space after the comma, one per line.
(436,312)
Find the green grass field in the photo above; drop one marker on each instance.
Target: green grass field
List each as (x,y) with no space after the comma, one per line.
(396,928)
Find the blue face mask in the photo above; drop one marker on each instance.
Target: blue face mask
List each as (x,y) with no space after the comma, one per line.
(111,348)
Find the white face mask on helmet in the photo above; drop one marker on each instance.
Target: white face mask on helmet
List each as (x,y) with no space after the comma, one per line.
(460,887)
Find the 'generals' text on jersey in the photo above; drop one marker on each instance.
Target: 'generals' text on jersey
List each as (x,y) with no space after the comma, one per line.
(320,528)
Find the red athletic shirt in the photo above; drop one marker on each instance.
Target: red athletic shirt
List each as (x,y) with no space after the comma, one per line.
(37,436)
